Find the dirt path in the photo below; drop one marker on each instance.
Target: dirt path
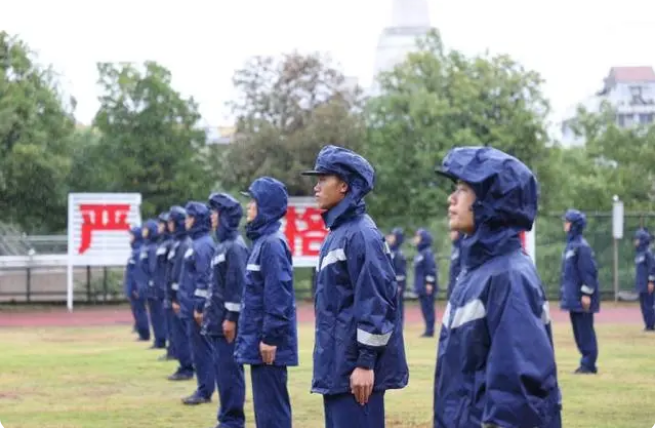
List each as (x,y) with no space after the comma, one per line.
(103,316)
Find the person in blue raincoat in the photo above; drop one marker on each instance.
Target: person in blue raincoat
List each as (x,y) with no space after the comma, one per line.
(134,277)
(223,307)
(181,243)
(645,277)
(359,350)
(425,279)
(267,337)
(495,363)
(455,261)
(395,240)
(161,283)
(192,295)
(155,295)
(579,289)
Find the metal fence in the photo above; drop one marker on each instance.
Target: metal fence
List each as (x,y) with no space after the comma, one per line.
(45,281)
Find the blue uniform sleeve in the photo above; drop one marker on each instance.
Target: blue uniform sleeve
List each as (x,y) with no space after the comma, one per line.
(236,260)
(373,279)
(587,271)
(521,367)
(430,270)
(650,263)
(176,271)
(400,267)
(203,260)
(152,264)
(278,293)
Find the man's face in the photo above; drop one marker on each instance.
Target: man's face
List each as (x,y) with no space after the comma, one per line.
(145,233)
(417,239)
(567,226)
(171,226)
(391,239)
(636,242)
(214,218)
(329,191)
(189,222)
(161,228)
(251,212)
(460,211)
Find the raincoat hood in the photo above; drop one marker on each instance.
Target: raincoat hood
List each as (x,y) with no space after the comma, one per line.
(138,238)
(229,215)
(202,223)
(644,238)
(271,197)
(177,215)
(162,218)
(354,170)
(153,233)
(578,221)
(400,238)
(506,200)
(426,239)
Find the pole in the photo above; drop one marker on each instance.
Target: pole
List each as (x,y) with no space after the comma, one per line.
(616,270)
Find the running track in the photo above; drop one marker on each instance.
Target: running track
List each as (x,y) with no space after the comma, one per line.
(121,315)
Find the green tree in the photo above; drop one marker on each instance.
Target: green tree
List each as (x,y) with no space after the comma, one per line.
(286,111)
(150,141)
(35,126)
(438,99)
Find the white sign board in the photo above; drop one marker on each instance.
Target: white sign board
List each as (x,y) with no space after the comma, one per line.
(617,220)
(98,226)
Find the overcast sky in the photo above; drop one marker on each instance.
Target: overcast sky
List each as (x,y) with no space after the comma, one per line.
(572,43)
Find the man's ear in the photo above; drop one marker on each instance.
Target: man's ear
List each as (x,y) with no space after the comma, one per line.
(343,188)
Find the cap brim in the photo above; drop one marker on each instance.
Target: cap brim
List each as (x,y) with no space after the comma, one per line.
(314,173)
(445,174)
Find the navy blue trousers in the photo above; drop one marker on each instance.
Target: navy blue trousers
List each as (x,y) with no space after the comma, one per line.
(342,411)
(182,345)
(230,382)
(585,338)
(427,308)
(201,353)
(156,309)
(270,396)
(169,314)
(647,301)
(401,301)
(141,316)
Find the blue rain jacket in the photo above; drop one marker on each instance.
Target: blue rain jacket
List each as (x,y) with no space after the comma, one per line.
(495,363)
(179,246)
(358,322)
(196,266)
(644,262)
(133,268)
(162,269)
(455,264)
(425,268)
(149,259)
(228,266)
(268,309)
(398,259)
(579,270)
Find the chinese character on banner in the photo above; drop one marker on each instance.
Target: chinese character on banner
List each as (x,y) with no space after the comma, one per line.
(105,217)
(305,230)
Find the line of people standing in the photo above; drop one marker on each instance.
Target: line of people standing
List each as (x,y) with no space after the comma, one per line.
(485,375)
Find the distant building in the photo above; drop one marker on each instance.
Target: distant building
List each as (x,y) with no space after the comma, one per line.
(410,20)
(630,90)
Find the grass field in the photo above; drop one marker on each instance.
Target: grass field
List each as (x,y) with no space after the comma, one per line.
(70,377)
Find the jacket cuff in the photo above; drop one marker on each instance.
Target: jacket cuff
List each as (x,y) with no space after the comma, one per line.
(366,359)
(586,289)
(234,316)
